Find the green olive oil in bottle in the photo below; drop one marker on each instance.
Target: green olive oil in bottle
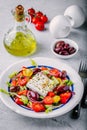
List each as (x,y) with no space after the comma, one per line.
(19,40)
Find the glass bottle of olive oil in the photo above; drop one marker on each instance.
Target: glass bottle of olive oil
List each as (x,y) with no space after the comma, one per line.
(19,40)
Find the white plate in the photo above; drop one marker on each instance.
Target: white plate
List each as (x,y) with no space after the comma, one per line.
(78,87)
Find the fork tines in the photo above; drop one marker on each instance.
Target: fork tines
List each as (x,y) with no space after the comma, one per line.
(83,69)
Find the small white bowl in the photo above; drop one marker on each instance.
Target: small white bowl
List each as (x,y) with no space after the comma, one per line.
(70,42)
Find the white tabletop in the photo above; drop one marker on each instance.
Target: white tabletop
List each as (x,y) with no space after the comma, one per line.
(9,120)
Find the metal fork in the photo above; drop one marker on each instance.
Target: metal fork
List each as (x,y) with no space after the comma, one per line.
(83,69)
(83,103)
(83,74)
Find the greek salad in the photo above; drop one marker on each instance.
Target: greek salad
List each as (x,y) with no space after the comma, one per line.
(40,88)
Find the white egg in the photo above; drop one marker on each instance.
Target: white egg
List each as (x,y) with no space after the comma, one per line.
(76,13)
(60,26)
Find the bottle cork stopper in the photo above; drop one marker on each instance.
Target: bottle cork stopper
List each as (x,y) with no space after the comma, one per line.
(19,13)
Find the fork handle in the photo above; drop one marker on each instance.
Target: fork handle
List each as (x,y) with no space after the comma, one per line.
(84,98)
(76,111)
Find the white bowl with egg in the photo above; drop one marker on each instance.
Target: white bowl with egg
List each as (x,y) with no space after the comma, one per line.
(59,54)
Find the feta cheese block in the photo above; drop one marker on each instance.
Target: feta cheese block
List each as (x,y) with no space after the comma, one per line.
(41,84)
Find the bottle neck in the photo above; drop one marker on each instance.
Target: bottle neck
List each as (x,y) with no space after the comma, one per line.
(19,25)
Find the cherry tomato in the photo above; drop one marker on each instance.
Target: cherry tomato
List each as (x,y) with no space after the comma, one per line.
(48,100)
(55,72)
(18,101)
(64,97)
(39,26)
(51,94)
(35,19)
(31,11)
(39,14)
(22,81)
(44,18)
(38,107)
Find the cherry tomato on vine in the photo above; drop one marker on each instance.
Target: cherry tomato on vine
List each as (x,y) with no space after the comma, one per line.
(35,19)
(39,14)
(44,18)
(31,11)
(38,18)
(39,26)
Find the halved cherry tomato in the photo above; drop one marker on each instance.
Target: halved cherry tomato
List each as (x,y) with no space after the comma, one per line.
(39,26)
(55,72)
(48,100)
(64,97)
(51,94)
(38,107)
(18,101)
(23,92)
(22,81)
(44,18)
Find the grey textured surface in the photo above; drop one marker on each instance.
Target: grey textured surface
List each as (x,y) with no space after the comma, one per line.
(9,120)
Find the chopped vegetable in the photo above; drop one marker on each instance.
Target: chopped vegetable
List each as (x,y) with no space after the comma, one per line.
(12,74)
(54,72)
(48,100)
(64,97)
(56,99)
(23,92)
(18,101)
(51,93)
(27,72)
(49,109)
(38,107)
(4,91)
(24,99)
(33,63)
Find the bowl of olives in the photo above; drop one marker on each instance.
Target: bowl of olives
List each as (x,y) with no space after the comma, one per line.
(64,48)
